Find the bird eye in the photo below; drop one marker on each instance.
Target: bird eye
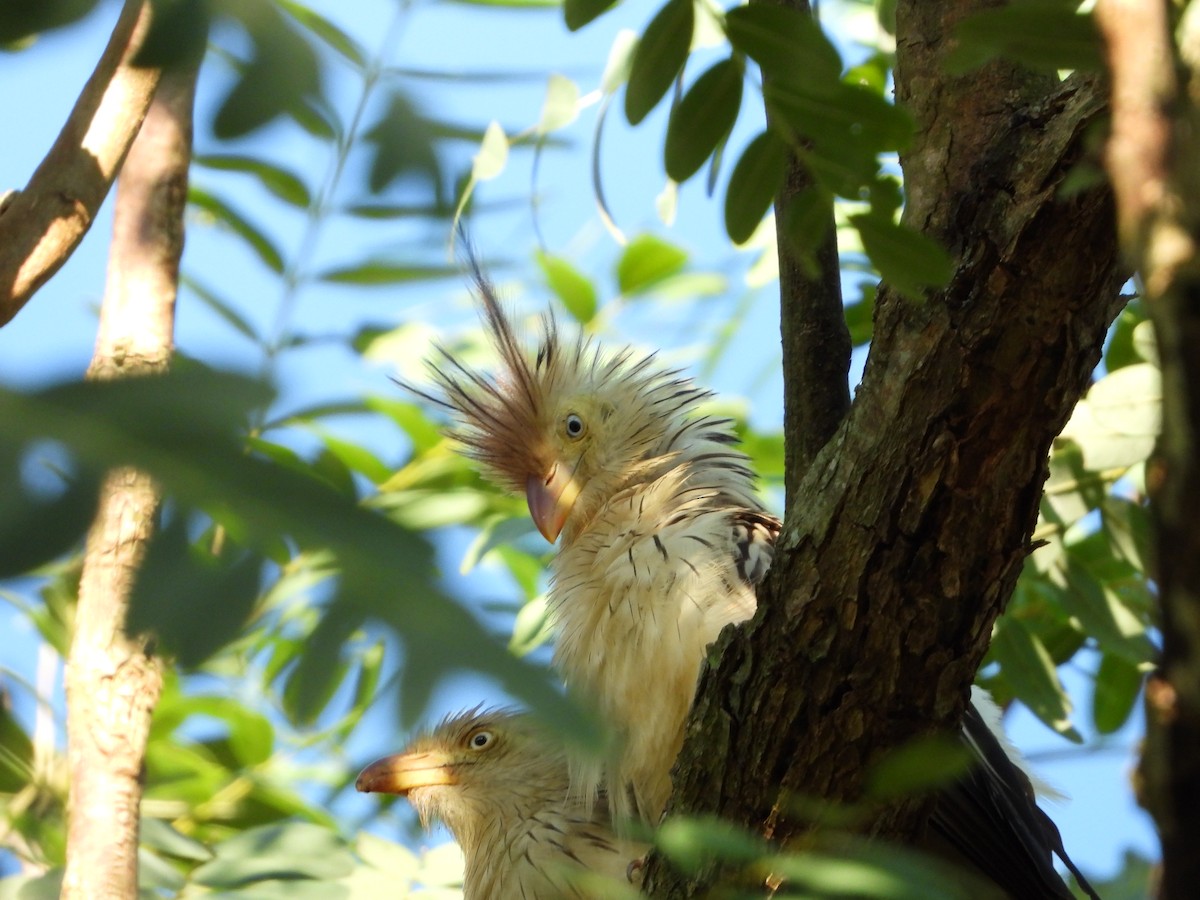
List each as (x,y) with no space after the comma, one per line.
(574,426)
(479,740)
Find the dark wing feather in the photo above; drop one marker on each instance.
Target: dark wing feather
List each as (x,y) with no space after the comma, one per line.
(754,536)
(991,818)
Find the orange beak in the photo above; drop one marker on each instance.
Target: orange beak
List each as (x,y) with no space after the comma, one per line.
(400,774)
(550,500)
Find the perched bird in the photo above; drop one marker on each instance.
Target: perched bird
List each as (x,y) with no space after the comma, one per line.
(662,543)
(663,538)
(499,783)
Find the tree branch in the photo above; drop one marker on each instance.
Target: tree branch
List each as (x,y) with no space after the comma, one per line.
(816,393)
(916,520)
(112,680)
(41,225)
(1153,156)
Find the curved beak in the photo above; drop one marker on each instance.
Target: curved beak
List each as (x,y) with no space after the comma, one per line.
(550,500)
(400,774)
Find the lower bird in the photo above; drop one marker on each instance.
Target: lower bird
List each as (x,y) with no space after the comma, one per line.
(499,783)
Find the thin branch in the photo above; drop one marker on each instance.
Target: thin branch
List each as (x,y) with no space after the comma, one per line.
(112,680)
(42,225)
(1153,155)
(816,340)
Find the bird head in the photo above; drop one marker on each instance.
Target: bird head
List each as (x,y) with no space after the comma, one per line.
(470,765)
(570,425)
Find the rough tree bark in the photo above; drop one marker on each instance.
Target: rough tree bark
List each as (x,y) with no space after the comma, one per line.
(41,225)
(915,520)
(112,680)
(1153,158)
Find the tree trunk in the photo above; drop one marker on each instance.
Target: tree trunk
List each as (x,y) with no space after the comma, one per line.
(1154,161)
(112,679)
(907,534)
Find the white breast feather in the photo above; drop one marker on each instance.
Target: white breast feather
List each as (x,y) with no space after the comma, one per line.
(637,601)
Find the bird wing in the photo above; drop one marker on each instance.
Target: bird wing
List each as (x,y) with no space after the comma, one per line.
(991,818)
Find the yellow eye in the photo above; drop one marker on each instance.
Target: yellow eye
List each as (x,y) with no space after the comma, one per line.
(574,426)
(480,739)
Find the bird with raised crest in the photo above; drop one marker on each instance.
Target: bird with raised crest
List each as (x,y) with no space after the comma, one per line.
(662,535)
(499,783)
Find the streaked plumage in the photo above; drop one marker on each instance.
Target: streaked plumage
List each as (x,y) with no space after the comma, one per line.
(662,535)
(499,783)
(663,543)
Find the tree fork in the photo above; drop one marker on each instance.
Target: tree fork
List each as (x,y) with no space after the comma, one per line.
(816,390)
(917,515)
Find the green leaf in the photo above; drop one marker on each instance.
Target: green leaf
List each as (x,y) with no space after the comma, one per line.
(659,56)
(176,579)
(1120,350)
(312,683)
(860,316)
(1071,491)
(840,117)
(331,34)
(366,684)
(1117,423)
(160,835)
(1104,617)
(572,287)
(42,887)
(1118,684)
(376,273)
(285,185)
(262,246)
(16,755)
(561,106)
(402,144)
(691,843)
(532,627)
(283,73)
(777,37)
(493,154)
(703,118)
(1027,666)
(357,458)
(846,868)
(156,875)
(251,736)
(222,307)
(19,21)
(756,179)
(35,529)
(177,35)
(1129,401)
(1042,36)
(292,850)
(806,220)
(919,765)
(577,13)
(647,261)
(910,262)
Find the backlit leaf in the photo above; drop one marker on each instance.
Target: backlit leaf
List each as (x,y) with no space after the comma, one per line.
(703,119)
(659,56)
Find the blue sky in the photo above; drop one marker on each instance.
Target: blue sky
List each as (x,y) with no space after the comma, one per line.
(53,337)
